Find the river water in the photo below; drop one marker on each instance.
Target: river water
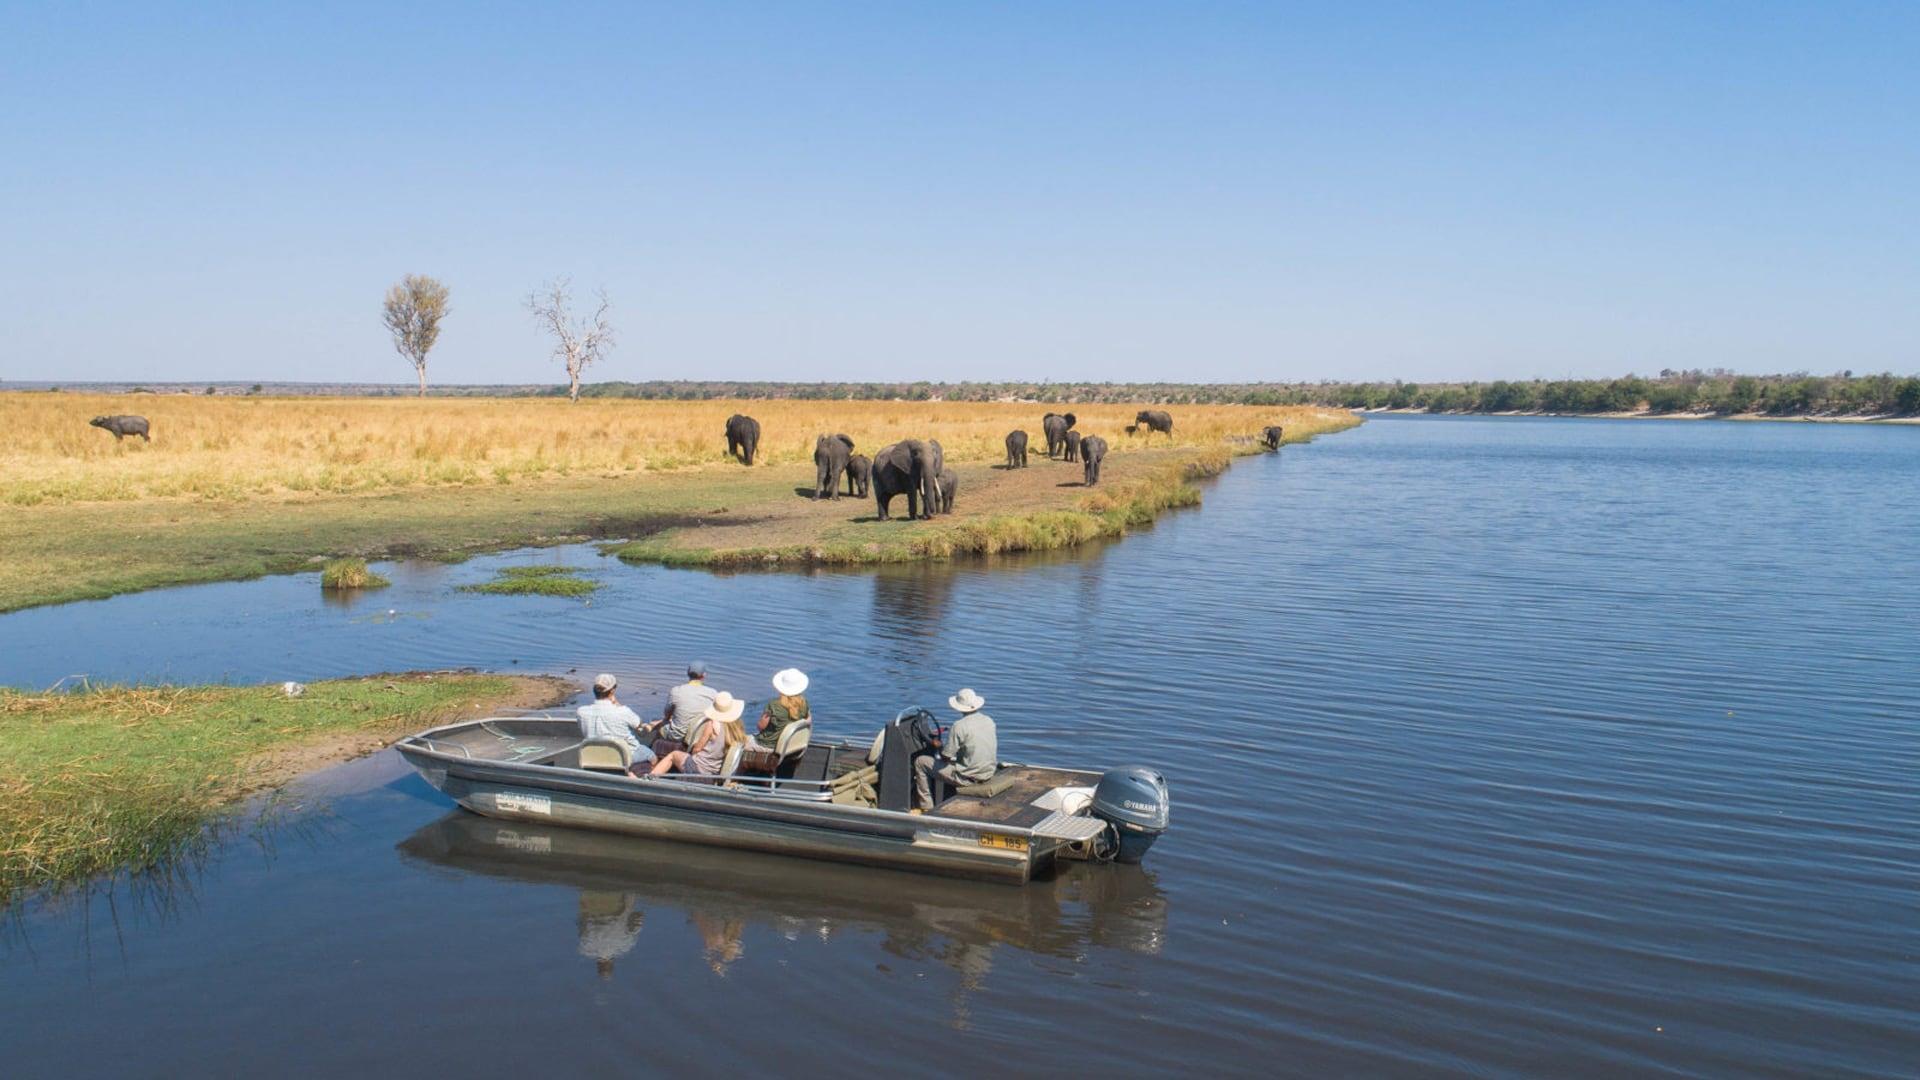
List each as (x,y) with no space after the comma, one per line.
(1498,746)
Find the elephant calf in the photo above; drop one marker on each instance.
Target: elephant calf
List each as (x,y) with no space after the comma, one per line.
(1270,437)
(859,475)
(1093,450)
(949,487)
(122,426)
(830,456)
(1073,446)
(1016,449)
(743,437)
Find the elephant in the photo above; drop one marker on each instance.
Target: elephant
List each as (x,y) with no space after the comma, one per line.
(859,475)
(1270,437)
(122,426)
(911,468)
(949,485)
(1073,446)
(1156,420)
(1016,449)
(830,454)
(1132,430)
(743,437)
(1056,427)
(1093,450)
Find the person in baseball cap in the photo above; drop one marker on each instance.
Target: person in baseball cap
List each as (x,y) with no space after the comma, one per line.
(607,718)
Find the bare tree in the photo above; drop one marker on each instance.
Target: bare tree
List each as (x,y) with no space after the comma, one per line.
(578,342)
(413,312)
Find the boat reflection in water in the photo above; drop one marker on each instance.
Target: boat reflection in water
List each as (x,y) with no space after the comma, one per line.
(723,892)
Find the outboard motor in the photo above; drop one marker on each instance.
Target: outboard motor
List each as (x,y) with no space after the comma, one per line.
(1134,803)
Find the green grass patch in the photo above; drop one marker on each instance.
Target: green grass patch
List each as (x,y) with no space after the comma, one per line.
(536,581)
(126,779)
(350,574)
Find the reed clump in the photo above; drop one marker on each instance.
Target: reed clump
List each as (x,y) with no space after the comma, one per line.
(350,574)
(127,778)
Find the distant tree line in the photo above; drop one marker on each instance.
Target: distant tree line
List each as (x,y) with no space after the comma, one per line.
(1719,392)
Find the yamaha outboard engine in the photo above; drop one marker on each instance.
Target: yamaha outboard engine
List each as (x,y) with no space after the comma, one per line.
(1134,803)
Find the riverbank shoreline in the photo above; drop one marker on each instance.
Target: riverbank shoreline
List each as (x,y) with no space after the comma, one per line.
(702,514)
(1648,414)
(128,778)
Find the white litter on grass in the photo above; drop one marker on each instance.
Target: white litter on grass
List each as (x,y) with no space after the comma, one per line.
(293,689)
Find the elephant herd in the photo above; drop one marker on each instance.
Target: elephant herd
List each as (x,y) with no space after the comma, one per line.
(917,468)
(1069,445)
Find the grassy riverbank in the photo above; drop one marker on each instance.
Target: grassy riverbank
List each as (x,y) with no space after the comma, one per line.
(113,779)
(236,488)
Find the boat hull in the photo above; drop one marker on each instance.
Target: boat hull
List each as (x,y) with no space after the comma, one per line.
(701,814)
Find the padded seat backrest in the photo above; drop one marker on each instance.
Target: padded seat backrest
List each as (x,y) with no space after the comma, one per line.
(731,763)
(879,741)
(606,755)
(794,738)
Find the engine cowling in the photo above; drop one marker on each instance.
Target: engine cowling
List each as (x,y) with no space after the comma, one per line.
(1134,802)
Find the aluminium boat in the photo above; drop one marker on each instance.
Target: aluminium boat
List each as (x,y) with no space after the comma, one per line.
(844,801)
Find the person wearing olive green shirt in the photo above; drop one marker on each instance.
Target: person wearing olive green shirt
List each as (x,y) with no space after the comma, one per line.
(970,754)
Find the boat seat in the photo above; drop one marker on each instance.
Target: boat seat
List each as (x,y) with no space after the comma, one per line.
(605,754)
(730,764)
(988,788)
(879,741)
(794,739)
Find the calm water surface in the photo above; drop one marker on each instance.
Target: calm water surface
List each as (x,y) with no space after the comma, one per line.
(1497,747)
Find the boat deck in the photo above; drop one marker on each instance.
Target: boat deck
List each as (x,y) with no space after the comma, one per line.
(1014,806)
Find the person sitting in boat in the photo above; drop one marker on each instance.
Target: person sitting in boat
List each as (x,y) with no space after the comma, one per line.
(791,705)
(687,706)
(970,754)
(713,738)
(607,718)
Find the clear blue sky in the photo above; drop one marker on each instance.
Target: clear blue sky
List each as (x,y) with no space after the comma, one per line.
(964,190)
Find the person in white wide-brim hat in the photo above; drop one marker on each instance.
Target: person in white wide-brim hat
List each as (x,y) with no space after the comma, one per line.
(969,755)
(791,705)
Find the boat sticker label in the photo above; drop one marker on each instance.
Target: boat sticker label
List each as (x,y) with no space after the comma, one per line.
(1003,841)
(525,804)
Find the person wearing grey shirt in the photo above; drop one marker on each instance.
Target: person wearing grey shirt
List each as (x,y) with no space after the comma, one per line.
(970,755)
(687,705)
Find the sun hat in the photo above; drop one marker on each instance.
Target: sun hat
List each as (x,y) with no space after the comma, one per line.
(791,682)
(967,701)
(725,707)
(605,683)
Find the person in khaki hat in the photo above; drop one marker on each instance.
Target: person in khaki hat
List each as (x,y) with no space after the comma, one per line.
(607,718)
(718,732)
(970,754)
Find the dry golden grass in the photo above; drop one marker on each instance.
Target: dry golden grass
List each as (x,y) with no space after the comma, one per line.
(237,449)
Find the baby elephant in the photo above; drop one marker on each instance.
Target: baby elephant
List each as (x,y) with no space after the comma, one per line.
(1073,446)
(1093,450)
(1016,449)
(859,475)
(122,426)
(1270,437)
(949,487)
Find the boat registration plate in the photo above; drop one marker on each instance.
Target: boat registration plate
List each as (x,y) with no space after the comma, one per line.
(525,804)
(1003,841)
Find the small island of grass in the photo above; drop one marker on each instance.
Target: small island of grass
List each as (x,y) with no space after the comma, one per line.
(536,581)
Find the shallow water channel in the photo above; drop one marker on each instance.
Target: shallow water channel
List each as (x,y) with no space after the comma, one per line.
(1497,746)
